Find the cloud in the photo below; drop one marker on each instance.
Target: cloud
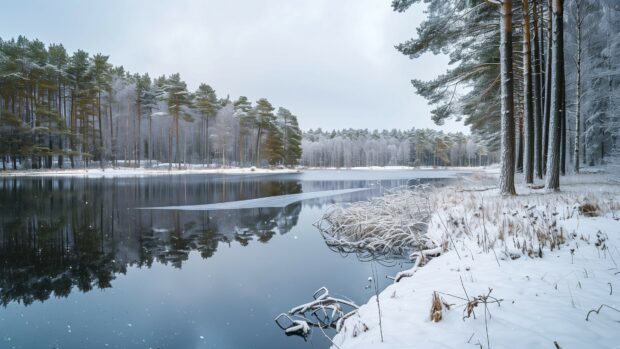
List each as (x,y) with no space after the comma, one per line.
(330,62)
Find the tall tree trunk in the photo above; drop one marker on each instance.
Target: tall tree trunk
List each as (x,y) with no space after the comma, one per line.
(506,184)
(548,78)
(112,142)
(138,155)
(258,135)
(555,123)
(73,123)
(61,146)
(101,147)
(170,149)
(537,94)
(578,23)
(208,155)
(177,156)
(540,33)
(150,137)
(563,149)
(49,129)
(528,117)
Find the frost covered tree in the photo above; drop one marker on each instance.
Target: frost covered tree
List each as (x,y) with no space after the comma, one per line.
(415,147)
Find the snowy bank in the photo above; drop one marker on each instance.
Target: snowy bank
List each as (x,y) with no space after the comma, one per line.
(539,270)
(140,172)
(491,168)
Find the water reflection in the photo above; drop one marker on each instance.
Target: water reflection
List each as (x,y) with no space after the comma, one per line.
(60,233)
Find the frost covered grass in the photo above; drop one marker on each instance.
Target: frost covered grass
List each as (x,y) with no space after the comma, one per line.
(388,225)
(536,270)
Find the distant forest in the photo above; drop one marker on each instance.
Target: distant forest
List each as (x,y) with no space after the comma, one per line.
(62,110)
(415,147)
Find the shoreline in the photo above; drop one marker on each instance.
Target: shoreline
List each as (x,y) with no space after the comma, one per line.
(143,172)
(515,272)
(138,172)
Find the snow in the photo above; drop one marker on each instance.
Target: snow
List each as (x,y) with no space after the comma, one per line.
(542,300)
(140,172)
(270,201)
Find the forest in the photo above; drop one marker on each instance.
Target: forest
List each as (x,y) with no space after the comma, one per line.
(551,88)
(415,147)
(78,110)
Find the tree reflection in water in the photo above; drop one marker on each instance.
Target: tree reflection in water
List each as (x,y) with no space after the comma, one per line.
(59,233)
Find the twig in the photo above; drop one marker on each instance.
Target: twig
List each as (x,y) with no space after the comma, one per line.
(376,283)
(599,309)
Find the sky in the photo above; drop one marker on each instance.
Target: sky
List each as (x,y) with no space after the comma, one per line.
(331,62)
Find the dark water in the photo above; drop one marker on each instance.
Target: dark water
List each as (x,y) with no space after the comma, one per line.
(82,268)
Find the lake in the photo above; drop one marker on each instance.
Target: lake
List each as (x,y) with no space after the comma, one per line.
(83,267)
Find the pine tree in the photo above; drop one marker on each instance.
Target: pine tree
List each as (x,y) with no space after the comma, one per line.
(178,100)
(264,121)
(291,136)
(208,105)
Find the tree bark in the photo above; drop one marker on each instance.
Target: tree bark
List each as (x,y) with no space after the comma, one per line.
(506,185)
(548,77)
(528,117)
(537,96)
(555,122)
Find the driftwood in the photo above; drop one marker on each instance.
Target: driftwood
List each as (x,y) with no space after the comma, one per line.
(322,312)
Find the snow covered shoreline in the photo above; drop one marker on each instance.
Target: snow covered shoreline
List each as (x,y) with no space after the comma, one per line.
(163,171)
(139,172)
(514,272)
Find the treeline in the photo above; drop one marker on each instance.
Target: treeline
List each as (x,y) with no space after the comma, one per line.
(415,147)
(547,98)
(61,110)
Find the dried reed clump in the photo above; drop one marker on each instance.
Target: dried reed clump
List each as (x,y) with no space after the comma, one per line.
(436,308)
(589,209)
(392,224)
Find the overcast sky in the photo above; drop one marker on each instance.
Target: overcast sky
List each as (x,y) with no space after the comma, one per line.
(331,62)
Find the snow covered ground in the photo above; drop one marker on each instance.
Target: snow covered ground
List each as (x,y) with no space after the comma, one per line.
(140,172)
(395,168)
(522,272)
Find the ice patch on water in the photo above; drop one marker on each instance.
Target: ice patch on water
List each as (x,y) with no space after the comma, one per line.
(270,201)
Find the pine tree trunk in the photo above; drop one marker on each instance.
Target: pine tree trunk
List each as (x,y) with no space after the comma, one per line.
(537,96)
(563,142)
(101,148)
(258,135)
(177,156)
(548,78)
(578,86)
(528,117)
(139,134)
(150,137)
(555,122)
(506,184)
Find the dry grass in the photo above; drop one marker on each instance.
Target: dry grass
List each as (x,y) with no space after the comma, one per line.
(424,218)
(436,308)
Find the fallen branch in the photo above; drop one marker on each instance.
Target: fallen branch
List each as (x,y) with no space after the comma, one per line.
(599,309)
(420,257)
